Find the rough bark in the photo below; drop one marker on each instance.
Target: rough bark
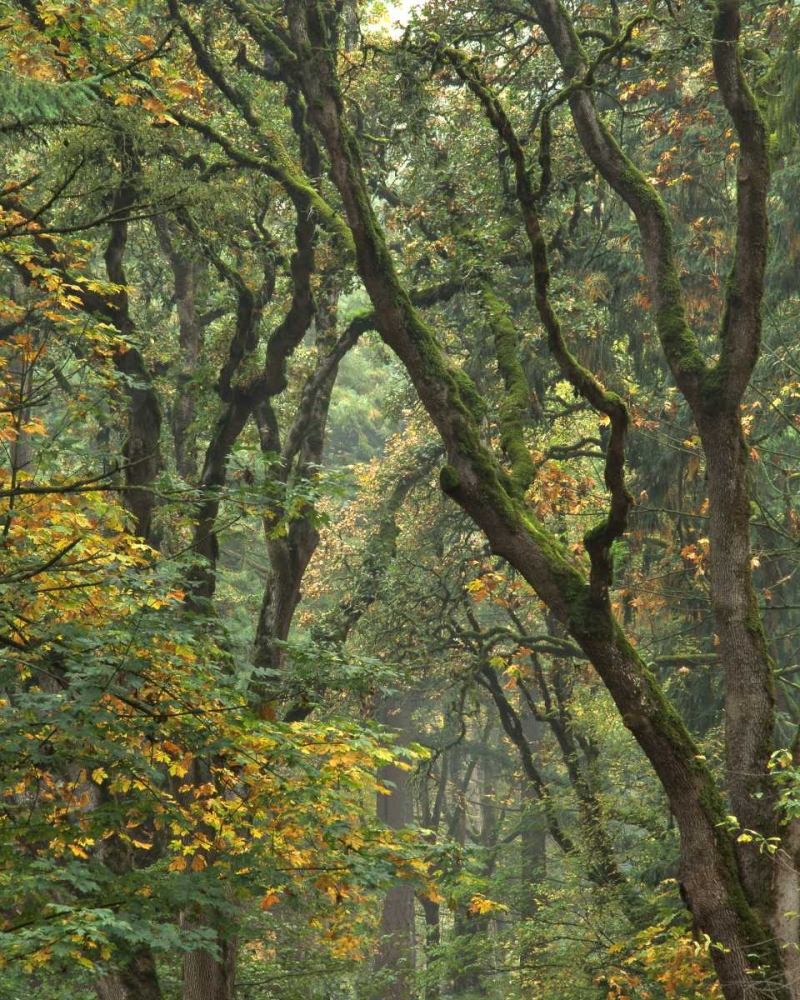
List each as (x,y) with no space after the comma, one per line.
(207,978)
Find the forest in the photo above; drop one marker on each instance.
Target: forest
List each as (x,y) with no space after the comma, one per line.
(399,539)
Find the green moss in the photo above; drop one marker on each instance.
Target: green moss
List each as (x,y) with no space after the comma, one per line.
(753,623)
(712,387)
(517,393)
(448,479)
(469,394)
(679,342)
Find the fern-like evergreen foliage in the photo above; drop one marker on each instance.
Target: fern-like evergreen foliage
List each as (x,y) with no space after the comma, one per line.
(26,101)
(782,92)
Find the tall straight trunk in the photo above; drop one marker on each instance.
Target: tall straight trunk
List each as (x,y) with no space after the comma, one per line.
(533,848)
(470,928)
(430,816)
(188,275)
(533,829)
(136,976)
(749,689)
(142,448)
(206,977)
(395,960)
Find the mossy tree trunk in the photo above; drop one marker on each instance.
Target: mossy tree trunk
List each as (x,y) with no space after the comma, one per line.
(714,391)
(747,959)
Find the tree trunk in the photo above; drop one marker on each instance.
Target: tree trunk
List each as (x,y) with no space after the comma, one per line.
(749,690)
(207,978)
(533,849)
(394,963)
(142,448)
(136,980)
(747,962)
(187,274)
(290,554)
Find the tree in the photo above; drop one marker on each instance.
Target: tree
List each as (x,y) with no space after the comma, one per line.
(210,207)
(724,882)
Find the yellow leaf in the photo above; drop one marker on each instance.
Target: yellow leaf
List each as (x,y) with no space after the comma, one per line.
(153,104)
(270,899)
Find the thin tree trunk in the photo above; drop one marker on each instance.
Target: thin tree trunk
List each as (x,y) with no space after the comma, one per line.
(533,848)
(394,963)
(187,276)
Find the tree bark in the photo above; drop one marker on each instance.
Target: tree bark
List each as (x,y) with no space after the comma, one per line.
(205,977)
(533,846)
(394,963)
(187,276)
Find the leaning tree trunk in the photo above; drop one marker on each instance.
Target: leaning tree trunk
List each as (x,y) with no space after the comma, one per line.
(747,962)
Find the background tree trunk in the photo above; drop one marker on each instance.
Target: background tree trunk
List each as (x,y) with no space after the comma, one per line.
(394,963)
